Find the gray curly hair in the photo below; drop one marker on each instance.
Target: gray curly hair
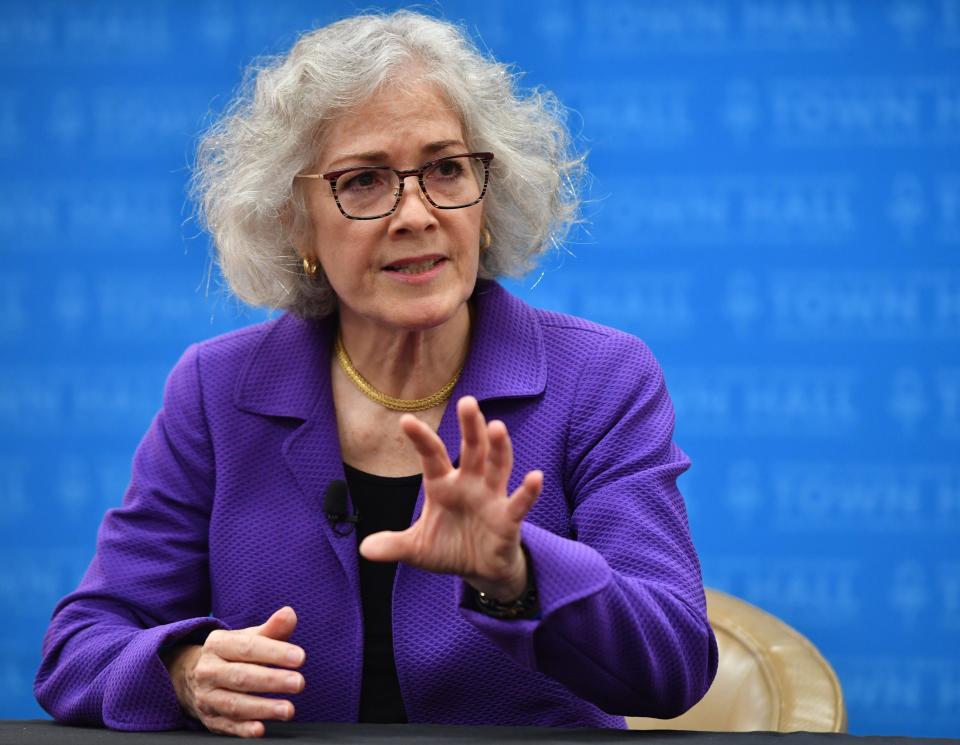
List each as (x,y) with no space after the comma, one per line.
(243,182)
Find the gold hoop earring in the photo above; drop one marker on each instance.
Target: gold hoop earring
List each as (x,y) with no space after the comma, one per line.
(309,267)
(485,239)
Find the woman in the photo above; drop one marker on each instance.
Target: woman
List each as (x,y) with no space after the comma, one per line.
(524,556)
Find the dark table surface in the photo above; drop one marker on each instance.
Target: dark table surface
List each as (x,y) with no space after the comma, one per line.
(39,732)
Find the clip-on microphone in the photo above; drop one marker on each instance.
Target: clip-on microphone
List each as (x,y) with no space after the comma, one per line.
(335,508)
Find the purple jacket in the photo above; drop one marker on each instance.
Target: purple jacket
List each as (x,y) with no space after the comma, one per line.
(222,524)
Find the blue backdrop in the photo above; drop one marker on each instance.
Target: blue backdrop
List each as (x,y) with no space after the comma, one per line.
(775,208)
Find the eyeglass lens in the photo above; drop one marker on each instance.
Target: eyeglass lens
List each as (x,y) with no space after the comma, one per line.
(370,192)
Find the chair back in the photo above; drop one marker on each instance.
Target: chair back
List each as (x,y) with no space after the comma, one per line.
(770,677)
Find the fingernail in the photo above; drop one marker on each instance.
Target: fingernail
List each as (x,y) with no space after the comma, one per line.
(295,656)
(293,681)
(282,711)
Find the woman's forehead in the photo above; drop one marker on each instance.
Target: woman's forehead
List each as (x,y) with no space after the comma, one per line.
(415,119)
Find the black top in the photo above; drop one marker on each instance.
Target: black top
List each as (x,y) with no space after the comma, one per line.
(383,503)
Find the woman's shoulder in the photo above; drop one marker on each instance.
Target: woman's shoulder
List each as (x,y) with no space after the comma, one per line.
(572,333)
(572,352)
(236,348)
(574,329)
(236,343)
(237,364)
(219,358)
(597,355)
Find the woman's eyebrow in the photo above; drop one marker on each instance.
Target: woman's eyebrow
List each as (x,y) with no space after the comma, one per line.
(436,147)
(348,159)
(381,157)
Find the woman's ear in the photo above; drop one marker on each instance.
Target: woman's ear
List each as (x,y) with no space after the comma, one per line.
(307,256)
(298,230)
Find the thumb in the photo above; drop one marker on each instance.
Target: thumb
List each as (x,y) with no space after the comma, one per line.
(280,625)
(387,545)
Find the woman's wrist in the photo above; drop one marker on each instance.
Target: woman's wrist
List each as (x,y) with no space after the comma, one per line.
(506,602)
(180,660)
(509,586)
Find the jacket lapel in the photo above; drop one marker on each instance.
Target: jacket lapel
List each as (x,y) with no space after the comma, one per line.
(288,375)
(507,359)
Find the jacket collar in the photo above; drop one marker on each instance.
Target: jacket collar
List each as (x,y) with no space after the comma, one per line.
(289,369)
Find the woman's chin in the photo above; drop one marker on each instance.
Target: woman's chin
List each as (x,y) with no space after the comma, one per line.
(424,321)
(427,313)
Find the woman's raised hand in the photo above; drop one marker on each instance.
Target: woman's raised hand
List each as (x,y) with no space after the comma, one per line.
(214,682)
(468,526)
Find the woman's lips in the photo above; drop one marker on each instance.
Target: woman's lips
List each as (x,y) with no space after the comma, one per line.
(416,270)
(415,266)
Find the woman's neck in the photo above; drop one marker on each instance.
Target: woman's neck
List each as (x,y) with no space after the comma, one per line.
(403,363)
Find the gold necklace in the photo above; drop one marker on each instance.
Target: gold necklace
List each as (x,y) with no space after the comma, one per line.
(409,405)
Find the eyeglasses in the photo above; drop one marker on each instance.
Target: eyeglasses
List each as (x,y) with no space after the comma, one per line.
(371,192)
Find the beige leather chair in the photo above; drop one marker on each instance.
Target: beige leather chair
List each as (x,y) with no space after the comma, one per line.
(770,678)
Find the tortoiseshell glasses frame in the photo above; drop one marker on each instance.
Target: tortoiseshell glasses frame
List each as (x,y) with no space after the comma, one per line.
(333,176)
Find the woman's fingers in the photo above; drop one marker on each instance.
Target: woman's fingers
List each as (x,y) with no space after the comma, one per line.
(524,496)
(231,666)
(242,707)
(499,458)
(433,453)
(251,647)
(225,726)
(473,433)
(387,545)
(280,625)
(247,678)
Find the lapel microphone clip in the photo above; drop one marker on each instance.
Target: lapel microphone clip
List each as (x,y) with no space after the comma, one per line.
(335,508)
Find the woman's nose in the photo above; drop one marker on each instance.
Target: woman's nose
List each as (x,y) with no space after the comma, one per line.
(414,212)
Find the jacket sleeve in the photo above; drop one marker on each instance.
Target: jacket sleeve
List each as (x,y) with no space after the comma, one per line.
(622,618)
(147,586)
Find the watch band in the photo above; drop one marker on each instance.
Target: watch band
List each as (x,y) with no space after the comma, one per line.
(524,606)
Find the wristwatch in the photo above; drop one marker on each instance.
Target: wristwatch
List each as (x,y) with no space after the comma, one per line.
(524,606)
